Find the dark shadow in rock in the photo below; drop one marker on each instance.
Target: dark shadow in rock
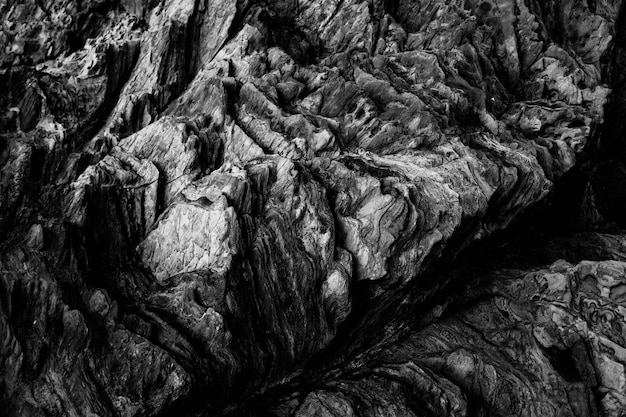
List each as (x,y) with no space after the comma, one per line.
(284,32)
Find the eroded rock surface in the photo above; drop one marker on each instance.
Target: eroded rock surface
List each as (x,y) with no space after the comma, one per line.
(545,343)
(300,208)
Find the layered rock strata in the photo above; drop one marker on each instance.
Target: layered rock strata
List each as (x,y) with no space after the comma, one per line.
(283,208)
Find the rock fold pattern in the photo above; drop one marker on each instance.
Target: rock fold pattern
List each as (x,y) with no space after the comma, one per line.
(279,208)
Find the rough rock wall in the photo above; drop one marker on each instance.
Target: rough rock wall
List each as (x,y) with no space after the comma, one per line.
(220,207)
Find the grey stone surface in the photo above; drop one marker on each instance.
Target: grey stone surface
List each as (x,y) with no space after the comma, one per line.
(303,208)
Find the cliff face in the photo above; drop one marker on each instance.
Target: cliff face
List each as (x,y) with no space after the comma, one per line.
(312,208)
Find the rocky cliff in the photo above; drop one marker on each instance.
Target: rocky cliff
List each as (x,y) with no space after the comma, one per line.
(312,208)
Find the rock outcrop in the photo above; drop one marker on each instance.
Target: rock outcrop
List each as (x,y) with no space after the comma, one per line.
(299,208)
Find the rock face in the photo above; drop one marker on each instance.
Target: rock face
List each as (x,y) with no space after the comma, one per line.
(303,208)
